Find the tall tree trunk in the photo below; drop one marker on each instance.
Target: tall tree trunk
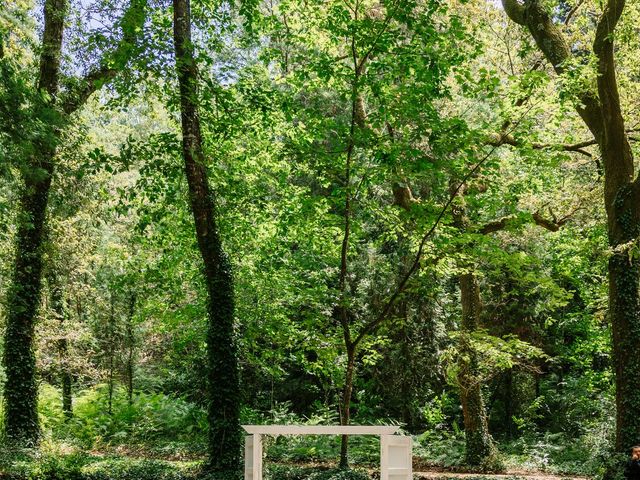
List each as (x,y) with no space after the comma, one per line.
(479,443)
(345,411)
(602,114)
(60,310)
(23,297)
(357,120)
(130,347)
(509,404)
(223,381)
(111,349)
(622,203)
(20,390)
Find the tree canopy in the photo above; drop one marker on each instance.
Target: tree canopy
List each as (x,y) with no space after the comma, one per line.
(412,212)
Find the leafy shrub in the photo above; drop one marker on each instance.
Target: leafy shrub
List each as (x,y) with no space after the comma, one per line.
(561,453)
(152,418)
(38,465)
(117,469)
(441,447)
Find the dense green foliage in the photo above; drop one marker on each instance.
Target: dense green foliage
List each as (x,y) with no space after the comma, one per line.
(409,229)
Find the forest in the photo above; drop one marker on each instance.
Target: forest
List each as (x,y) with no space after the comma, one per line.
(413,213)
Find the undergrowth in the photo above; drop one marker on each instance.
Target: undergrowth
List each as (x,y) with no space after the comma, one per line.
(134,441)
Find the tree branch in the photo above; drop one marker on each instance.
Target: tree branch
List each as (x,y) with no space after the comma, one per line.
(496,139)
(607,25)
(553,225)
(514,10)
(552,43)
(496,225)
(616,151)
(572,12)
(112,62)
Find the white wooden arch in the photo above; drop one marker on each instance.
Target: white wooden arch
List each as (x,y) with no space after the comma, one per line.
(395,450)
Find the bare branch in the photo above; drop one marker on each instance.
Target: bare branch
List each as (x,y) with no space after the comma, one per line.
(572,12)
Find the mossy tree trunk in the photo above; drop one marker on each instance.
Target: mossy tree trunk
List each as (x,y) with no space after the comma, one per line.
(20,390)
(52,109)
(223,381)
(601,112)
(479,443)
(480,446)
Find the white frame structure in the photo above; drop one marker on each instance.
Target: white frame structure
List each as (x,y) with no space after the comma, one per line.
(395,450)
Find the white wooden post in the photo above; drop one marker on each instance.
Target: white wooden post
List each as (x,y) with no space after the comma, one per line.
(248,457)
(395,458)
(253,457)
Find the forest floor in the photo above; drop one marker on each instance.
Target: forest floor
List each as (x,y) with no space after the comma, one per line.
(143,464)
(435,472)
(442,473)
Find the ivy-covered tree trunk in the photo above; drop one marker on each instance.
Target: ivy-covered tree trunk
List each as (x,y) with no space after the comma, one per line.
(20,389)
(623,211)
(479,443)
(602,114)
(52,110)
(622,204)
(223,381)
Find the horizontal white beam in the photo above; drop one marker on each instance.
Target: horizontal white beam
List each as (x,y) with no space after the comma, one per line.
(321,429)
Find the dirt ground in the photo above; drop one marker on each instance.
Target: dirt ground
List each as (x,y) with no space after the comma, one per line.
(439,473)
